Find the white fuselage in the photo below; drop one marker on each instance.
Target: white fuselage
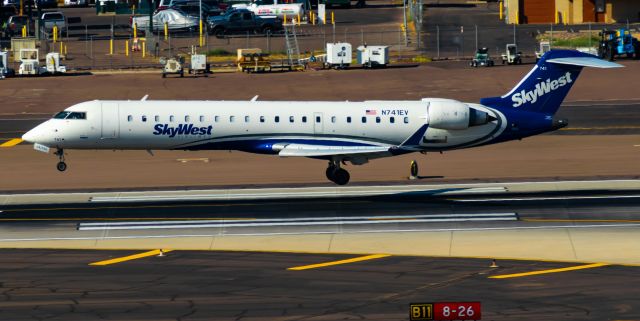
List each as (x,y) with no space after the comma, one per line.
(255,126)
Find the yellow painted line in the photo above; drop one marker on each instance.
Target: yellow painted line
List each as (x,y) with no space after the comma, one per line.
(12,142)
(353,260)
(572,268)
(129,258)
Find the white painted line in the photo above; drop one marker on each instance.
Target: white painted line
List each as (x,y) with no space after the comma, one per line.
(322,232)
(546,198)
(303,219)
(276,224)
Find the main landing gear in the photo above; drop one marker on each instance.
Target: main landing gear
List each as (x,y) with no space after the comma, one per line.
(61,166)
(336,174)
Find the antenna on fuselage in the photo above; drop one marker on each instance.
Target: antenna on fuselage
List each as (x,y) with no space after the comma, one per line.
(144,98)
(254,98)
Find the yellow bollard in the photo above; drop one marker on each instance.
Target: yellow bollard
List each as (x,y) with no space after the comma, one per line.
(111,46)
(166,31)
(61,47)
(501,9)
(126,48)
(201,39)
(324,18)
(55,33)
(135,30)
(298,19)
(144,49)
(24,31)
(65,50)
(313,18)
(333,20)
(285,19)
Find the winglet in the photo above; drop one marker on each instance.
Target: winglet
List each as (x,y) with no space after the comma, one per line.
(254,98)
(144,98)
(415,139)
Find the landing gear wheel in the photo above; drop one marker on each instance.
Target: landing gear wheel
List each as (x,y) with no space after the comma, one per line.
(341,177)
(61,166)
(331,172)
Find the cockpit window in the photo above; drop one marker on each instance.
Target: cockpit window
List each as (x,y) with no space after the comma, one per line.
(70,115)
(62,115)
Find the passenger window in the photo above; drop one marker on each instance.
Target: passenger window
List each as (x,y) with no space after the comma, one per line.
(246,119)
(129,118)
(201,118)
(378,120)
(392,119)
(144,118)
(172,118)
(277,119)
(232,119)
(406,120)
(349,119)
(318,119)
(291,119)
(187,118)
(304,119)
(157,118)
(333,119)
(364,119)
(262,119)
(216,119)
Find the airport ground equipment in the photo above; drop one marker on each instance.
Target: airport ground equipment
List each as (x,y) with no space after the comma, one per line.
(482,58)
(617,43)
(5,71)
(254,62)
(199,65)
(30,63)
(339,55)
(53,65)
(373,56)
(512,56)
(173,65)
(544,47)
(293,51)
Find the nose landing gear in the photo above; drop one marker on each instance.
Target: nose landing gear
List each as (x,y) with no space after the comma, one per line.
(61,166)
(336,174)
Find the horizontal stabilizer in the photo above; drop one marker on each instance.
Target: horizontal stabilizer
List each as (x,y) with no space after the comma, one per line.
(585,62)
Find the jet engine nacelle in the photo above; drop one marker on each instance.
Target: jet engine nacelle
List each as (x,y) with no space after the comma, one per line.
(455,115)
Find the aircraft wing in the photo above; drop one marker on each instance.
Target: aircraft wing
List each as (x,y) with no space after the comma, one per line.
(303,150)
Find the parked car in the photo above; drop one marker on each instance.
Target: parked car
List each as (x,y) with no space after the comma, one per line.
(166,4)
(15,24)
(6,12)
(176,21)
(54,18)
(46,4)
(240,21)
(192,8)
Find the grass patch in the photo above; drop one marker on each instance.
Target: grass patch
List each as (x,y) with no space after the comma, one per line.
(571,41)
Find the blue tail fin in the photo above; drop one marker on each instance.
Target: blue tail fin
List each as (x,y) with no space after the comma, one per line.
(544,88)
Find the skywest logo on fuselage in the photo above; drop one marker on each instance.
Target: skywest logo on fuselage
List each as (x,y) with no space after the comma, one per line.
(182,129)
(542,89)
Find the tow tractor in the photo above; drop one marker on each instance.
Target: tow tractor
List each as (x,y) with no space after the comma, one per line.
(30,63)
(512,56)
(173,65)
(617,43)
(482,58)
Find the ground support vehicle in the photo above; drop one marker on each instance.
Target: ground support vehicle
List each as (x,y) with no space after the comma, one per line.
(373,56)
(5,71)
(482,58)
(339,55)
(617,43)
(512,56)
(254,62)
(173,65)
(30,63)
(242,21)
(199,65)
(53,65)
(545,46)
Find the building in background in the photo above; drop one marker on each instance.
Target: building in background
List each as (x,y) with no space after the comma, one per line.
(571,11)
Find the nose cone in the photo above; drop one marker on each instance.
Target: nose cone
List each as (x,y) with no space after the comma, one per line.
(30,136)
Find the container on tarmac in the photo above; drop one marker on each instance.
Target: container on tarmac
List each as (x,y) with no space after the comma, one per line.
(339,55)
(373,56)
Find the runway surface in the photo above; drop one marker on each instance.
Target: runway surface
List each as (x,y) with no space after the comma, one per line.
(188,285)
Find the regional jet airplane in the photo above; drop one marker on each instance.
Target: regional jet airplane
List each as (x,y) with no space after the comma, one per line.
(338,132)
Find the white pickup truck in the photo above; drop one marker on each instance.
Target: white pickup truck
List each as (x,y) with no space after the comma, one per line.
(56,18)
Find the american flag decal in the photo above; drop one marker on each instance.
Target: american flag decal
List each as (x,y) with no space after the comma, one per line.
(371,112)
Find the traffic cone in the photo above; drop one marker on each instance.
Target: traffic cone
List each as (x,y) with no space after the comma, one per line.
(493,264)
